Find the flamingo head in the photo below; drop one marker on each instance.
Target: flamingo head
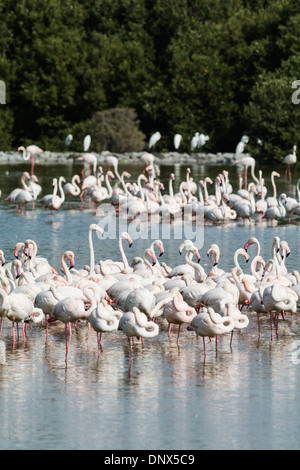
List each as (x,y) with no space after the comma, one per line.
(127,237)
(71,258)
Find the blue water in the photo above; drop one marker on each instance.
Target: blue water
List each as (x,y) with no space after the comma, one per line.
(170,397)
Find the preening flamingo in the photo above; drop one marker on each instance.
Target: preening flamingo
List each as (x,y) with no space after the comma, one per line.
(136,324)
(210,324)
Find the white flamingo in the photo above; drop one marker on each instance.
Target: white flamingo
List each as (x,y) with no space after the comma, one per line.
(289,160)
(136,324)
(72,189)
(210,324)
(104,319)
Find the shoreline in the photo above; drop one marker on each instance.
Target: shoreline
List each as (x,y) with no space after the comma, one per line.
(169,158)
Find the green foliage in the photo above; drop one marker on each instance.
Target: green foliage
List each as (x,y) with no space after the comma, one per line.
(176,65)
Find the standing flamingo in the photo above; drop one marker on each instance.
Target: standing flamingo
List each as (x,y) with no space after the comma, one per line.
(210,324)
(247,162)
(177,311)
(30,152)
(136,324)
(104,318)
(72,189)
(289,160)
(70,309)
(53,201)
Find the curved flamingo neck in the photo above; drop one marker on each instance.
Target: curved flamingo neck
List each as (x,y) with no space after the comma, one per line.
(76,179)
(122,252)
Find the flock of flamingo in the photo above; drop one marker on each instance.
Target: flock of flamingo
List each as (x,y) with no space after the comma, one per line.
(138,297)
(147,196)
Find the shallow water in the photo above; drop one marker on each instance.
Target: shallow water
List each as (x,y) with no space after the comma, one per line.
(170,398)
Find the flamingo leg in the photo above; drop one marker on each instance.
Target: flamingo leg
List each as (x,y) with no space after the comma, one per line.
(276,321)
(246,170)
(1,326)
(13,328)
(130,350)
(99,337)
(258,322)
(178,335)
(231,339)
(271,317)
(204,348)
(169,330)
(66,332)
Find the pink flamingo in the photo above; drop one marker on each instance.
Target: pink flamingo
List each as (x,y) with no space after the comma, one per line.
(30,152)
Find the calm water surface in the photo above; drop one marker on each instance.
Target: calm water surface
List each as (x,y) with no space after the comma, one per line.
(169,398)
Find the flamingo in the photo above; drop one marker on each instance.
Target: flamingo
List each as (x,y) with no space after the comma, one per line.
(245,209)
(98,194)
(12,195)
(72,189)
(178,312)
(272,200)
(30,152)
(210,324)
(290,204)
(17,308)
(112,267)
(53,201)
(247,162)
(104,318)
(274,213)
(90,162)
(195,270)
(145,269)
(24,196)
(241,320)
(71,309)
(213,254)
(289,160)
(136,324)
(277,299)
